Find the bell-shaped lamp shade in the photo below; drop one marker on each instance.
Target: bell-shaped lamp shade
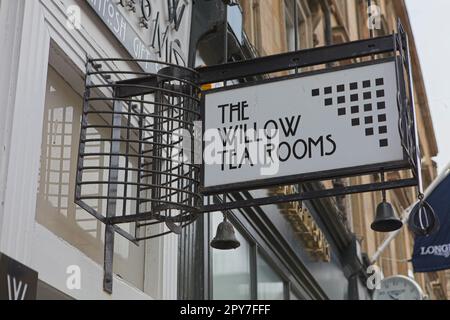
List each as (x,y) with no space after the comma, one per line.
(225,238)
(386,220)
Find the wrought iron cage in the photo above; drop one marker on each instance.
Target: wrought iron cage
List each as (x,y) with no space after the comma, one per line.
(134,138)
(136,152)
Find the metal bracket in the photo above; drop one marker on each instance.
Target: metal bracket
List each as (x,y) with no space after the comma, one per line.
(297,59)
(394,44)
(164,190)
(311,195)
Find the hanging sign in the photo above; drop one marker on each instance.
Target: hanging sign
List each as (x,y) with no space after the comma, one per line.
(318,125)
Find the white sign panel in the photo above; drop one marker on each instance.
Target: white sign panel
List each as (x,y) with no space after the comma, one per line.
(344,121)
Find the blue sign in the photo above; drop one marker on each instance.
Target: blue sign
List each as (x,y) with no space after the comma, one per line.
(432,253)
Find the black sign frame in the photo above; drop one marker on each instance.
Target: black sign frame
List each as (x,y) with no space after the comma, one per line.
(398,47)
(308,177)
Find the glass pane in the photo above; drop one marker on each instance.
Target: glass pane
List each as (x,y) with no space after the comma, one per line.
(293,296)
(290,23)
(231,268)
(270,284)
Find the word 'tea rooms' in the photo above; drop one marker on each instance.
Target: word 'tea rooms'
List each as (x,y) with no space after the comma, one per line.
(241,141)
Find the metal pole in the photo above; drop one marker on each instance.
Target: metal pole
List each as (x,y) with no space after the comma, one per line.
(295,28)
(327,16)
(112,197)
(225,38)
(369,5)
(413,111)
(225,61)
(295,25)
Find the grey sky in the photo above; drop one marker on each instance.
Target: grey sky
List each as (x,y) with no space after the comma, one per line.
(431,25)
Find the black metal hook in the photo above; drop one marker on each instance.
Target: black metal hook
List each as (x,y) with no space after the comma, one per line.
(423,221)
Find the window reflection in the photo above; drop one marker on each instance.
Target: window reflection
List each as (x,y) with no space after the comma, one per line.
(293,296)
(232,272)
(231,268)
(270,284)
(56,209)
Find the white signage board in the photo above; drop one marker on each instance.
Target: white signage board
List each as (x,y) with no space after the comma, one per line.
(334,123)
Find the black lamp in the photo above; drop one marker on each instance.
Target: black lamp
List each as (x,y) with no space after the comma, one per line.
(225,238)
(386,220)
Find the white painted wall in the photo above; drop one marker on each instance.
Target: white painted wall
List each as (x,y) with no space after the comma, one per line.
(27,30)
(51,258)
(23,90)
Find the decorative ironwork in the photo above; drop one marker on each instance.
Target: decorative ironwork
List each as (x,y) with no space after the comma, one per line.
(142,164)
(405,102)
(135,162)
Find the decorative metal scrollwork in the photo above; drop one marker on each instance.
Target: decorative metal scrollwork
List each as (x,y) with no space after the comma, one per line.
(423,221)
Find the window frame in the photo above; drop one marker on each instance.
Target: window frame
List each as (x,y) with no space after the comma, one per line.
(289,285)
(305,30)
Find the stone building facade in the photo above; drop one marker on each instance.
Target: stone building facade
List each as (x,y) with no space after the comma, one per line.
(269,26)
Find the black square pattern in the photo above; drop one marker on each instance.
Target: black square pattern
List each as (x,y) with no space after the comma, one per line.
(369,106)
(367,95)
(382,130)
(384,143)
(355,109)
(369,132)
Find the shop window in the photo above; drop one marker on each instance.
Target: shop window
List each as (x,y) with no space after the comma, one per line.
(303,25)
(293,296)
(270,284)
(244,274)
(56,209)
(230,268)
